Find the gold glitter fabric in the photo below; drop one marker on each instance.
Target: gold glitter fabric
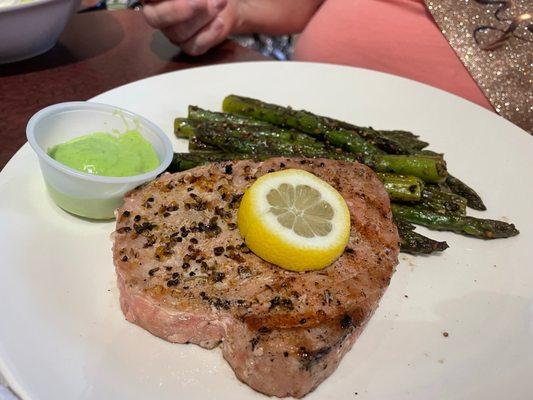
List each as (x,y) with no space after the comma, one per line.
(494,40)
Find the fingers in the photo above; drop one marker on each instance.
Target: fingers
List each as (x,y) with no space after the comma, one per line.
(190,15)
(194,25)
(209,36)
(165,13)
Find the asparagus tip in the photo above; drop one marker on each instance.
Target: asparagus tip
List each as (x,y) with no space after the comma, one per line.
(476,205)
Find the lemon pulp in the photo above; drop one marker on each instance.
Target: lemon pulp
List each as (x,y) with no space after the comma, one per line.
(295,220)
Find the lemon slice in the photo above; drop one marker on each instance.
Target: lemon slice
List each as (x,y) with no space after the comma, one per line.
(295,220)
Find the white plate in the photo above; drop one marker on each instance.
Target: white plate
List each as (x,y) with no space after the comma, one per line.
(62,335)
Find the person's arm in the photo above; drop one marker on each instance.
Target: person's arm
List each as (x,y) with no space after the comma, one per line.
(274,17)
(198,25)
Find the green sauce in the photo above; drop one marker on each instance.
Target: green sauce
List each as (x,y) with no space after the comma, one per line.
(104,154)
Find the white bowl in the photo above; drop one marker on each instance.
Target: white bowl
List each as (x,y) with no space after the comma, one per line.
(79,193)
(30,29)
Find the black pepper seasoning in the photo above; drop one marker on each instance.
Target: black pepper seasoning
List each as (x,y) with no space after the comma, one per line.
(346,321)
(173,282)
(219,277)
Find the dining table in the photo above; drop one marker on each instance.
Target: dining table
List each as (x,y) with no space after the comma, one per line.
(96,52)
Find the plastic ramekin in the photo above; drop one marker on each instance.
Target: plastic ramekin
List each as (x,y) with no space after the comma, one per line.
(79,193)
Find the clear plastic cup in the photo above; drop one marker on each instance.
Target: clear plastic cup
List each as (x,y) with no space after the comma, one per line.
(79,193)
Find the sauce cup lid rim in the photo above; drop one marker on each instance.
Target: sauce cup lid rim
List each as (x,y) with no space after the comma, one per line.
(88,105)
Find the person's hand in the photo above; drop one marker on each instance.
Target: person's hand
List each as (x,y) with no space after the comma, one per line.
(194,25)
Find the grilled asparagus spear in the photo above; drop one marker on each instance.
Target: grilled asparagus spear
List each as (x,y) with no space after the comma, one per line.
(265,140)
(415,243)
(188,128)
(462,189)
(183,128)
(185,161)
(408,140)
(442,202)
(313,124)
(481,228)
(252,141)
(199,114)
(457,186)
(402,187)
(196,146)
(427,168)
(352,141)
